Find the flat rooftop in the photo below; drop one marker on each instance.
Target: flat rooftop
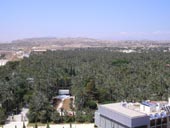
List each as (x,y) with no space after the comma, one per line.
(129,112)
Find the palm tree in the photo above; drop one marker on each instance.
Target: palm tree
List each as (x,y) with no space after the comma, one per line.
(48,126)
(36,126)
(24,125)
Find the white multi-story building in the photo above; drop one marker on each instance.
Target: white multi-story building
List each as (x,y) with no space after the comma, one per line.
(148,114)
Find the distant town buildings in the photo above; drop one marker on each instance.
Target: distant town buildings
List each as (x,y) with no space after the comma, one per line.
(38,50)
(13,55)
(21,54)
(148,114)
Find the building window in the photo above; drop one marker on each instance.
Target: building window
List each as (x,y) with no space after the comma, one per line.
(164,126)
(158,121)
(164,120)
(152,123)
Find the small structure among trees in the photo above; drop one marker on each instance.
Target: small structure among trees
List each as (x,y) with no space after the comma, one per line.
(64,102)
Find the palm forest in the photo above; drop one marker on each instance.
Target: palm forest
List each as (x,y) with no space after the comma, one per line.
(93,75)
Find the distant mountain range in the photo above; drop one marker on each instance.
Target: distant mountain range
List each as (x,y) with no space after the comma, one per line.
(54,43)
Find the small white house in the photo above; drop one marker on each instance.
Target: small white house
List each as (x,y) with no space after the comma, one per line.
(64,92)
(3,62)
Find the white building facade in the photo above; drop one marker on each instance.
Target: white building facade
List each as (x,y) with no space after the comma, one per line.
(133,115)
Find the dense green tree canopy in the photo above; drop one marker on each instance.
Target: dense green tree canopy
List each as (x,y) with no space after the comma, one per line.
(95,75)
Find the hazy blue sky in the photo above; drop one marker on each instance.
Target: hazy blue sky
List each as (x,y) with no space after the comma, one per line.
(103,19)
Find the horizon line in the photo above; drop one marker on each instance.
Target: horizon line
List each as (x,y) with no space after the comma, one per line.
(99,39)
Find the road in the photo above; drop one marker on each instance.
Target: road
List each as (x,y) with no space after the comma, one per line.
(16,121)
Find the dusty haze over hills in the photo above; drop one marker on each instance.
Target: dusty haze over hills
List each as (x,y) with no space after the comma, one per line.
(55,43)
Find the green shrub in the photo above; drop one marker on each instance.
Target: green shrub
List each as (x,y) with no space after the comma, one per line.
(32,117)
(55,117)
(91,104)
(80,117)
(119,62)
(69,119)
